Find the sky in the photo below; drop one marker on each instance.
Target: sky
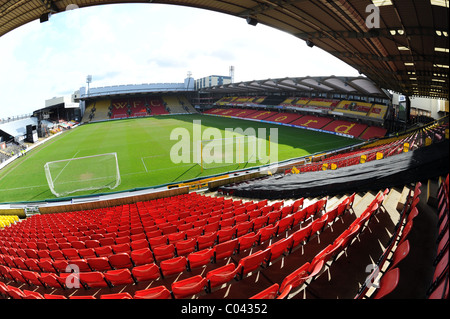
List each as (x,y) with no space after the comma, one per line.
(145,43)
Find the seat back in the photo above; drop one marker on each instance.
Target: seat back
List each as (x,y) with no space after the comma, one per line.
(226,249)
(173,266)
(160,292)
(141,256)
(93,279)
(146,272)
(279,248)
(248,240)
(200,258)
(253,261)
(221,275)
(120,261)
(188,287)
(267,233)
(296,278)
(268,293)
(388,283)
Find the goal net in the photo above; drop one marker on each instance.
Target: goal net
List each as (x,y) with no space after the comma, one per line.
(232,151)
(83,174)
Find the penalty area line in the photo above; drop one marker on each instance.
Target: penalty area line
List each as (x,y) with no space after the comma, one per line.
(143,163)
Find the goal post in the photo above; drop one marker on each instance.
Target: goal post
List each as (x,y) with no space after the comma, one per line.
(82,174)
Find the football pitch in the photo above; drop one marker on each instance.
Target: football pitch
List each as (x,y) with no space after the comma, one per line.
(145,152)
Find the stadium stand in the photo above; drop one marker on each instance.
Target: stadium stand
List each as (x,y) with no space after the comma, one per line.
(354,107)
(156,105)
(173,104)
(177,104)
(283,250)
(323,122)
(137,107)
(97,111)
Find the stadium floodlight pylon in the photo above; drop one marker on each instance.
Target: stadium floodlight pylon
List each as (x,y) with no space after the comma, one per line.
(83,174)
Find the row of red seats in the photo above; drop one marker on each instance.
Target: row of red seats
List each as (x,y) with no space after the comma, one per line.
(180,258)
(440,286)
(108,245)
(386,271)
(85,220)
(286,245)
(353,157)
(310,270)
(163,247)
(59,258)
(27,234)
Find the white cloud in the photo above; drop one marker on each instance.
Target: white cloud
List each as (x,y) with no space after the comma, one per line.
(141,43)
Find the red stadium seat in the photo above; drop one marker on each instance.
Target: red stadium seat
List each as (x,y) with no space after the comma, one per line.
(221,275)
(139,244)
(247,241)
(82,265)
(188,287)
(388,283)
(142,256)
(299,217)
(401,252)
(122,248)
(104,251)
(52,280)
(87,253)
(146,272)
(200,258)
(120,295)
(253,262)
(243,228)
(70,253)
(268,293)
(226,234)
(284,224)
(267,233)
(173,266)
(120,261)
(119,277)
(28,294)
(225,250)
(99,264)
(206,240)
(157,241)
(318,225)
(53,296)
(160,292)
(164,252)
(279,248)
(176,237)
(93,279)
(32,278)
(185,247)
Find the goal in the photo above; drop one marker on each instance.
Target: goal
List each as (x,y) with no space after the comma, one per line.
(82,174)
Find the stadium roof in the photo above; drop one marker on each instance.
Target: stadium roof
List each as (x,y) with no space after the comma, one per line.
(326,84)
(407,52)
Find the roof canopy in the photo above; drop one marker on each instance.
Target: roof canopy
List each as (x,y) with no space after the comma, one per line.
(327,84)
(401,45)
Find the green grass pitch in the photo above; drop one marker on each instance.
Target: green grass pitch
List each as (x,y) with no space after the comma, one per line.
(143,146)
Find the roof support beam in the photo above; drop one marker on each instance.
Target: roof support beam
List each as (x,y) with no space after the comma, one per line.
(372,33)
(396,58)
(50,6)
